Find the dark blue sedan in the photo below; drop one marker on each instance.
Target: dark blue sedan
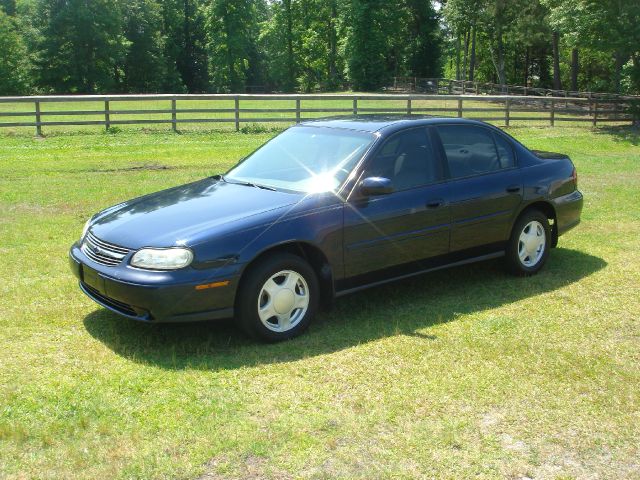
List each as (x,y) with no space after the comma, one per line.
(327,208)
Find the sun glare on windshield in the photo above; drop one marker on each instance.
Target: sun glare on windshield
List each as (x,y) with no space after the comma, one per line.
(305,159)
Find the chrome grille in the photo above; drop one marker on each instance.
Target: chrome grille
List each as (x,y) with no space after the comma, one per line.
(102,252)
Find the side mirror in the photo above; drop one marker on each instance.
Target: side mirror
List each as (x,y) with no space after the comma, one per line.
(375,186)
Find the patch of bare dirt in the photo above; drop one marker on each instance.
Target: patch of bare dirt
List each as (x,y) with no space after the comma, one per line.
(253,468)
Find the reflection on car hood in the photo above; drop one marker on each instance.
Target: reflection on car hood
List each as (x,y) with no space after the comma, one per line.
(186,214)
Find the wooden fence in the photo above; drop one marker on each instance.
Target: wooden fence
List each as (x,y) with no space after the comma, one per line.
(241,109)
(447,86)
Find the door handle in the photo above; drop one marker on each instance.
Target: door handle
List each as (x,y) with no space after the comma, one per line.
(438,202)
(513,188)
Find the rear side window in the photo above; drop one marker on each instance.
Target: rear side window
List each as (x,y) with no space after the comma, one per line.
(505,152)
(470,150)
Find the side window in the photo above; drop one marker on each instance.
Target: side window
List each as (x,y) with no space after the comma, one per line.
(505,152)
(408,159)
(470,150)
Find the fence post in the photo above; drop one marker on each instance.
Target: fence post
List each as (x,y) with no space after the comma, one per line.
(552,119)
(595,112)
(174,116)
(355,105)
(409,106)
(507,111)
(38,126)
(107,117)
(237,113)
(459,108)
(298,110)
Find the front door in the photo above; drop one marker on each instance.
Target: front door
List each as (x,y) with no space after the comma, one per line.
(407,225)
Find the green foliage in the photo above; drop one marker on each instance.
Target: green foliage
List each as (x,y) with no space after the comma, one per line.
(391,39)
(14,68)
(255,128)
(9,7)
(144,64)
(185,22)
(277,45)
(82,45)
(233,30)
(515,41)
(366,45)
(423,48)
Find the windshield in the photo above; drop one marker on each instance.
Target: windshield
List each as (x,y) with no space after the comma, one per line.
(304,159)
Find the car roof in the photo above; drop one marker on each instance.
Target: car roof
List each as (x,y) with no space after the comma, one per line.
(382,123)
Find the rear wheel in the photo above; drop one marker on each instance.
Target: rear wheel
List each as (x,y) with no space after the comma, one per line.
(529,244)
(278,298)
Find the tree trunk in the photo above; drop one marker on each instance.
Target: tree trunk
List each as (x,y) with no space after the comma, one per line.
(458,47)
(526,67)
(465,55)
(636,78)
(290,66)
(497,57)
(575,66)
(557,83)
(619,63)
(543,69)
(472,61)
(333,47)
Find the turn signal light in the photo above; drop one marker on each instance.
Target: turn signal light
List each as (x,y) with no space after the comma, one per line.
(204,286)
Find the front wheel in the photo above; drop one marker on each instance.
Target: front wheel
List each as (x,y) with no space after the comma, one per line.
(528,246)
(278,298)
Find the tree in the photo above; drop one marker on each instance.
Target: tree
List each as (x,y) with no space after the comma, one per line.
(184,46)
(318,64)
(9,7)
(280,44)
(232,44)
(145,67)
(14,69)
(367,45)
(81,46)
(610,27)
(423,40)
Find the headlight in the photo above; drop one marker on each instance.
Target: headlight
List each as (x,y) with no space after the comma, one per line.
(162,258)
(85,229)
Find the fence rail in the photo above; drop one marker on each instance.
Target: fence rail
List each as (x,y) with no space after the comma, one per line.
(239,109)
(449,86)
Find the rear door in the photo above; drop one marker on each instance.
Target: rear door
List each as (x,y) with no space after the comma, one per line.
(485,187)
(410,224)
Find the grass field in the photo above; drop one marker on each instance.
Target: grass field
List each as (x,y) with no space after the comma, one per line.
(466,373)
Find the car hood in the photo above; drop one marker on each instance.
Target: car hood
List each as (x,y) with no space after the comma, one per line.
(187,214)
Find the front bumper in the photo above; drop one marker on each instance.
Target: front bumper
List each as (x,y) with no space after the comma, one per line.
(157,296)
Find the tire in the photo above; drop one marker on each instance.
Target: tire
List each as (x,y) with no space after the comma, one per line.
(278,298)
(528,247)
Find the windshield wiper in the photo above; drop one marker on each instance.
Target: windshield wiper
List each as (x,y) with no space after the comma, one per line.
(246,184)
(256,185)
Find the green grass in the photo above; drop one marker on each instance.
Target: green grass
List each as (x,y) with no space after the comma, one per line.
(458,374)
